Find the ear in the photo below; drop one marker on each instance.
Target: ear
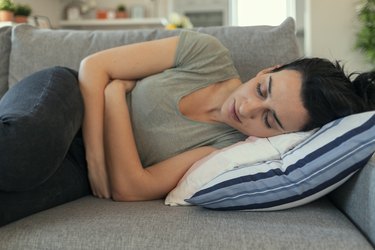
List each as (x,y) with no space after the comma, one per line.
(267,70)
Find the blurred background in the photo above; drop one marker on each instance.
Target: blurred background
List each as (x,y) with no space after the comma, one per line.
(325,28)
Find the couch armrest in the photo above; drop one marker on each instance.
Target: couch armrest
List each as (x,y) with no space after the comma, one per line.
(5,46)
(356,199)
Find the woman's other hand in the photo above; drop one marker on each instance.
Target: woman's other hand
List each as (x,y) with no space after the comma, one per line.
(120,85)
(99,183)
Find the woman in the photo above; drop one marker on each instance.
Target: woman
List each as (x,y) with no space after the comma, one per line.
(150,111)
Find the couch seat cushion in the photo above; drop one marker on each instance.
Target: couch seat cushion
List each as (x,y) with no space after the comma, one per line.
(91,223)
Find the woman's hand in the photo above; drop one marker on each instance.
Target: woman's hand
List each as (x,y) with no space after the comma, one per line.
(120,85)
(99,183)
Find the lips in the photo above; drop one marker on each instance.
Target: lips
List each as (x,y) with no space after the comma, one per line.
(233,112)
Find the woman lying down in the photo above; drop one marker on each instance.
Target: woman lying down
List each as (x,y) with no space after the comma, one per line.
(135,118)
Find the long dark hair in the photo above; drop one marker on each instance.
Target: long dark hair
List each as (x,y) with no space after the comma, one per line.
(328,93)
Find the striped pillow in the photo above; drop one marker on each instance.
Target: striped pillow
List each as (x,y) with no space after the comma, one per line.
(251,151)
(307,172)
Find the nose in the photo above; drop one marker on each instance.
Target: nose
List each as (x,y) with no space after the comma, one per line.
(251,108)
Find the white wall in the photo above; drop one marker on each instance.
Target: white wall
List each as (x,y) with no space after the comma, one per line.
(330,32)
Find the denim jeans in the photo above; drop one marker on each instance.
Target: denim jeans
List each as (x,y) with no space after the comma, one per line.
(42,157)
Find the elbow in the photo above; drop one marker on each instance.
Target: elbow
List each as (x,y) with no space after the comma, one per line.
(124,196)
(119,197)
(92,74)
(84,70)
(87,62)
(93,64)
(84,63)
(86,66)
(131,187)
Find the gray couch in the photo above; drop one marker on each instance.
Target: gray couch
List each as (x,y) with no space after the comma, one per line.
(343,220)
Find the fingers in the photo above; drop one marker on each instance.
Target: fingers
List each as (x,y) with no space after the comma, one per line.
(101,194)
(99,190)
(128,85)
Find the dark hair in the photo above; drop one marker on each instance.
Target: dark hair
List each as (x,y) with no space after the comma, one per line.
(328,93)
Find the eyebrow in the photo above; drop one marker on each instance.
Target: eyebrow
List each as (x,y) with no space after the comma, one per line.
(269,90)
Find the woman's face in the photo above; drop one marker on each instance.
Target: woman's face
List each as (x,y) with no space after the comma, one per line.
(267,105)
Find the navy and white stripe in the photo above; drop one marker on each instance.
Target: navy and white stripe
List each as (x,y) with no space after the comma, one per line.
(312,169)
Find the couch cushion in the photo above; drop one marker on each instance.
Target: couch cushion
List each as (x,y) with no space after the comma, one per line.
(91,223)
(253,48)
(5,47)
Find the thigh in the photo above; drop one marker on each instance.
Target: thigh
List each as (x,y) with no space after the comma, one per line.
(68,183)
(39,118)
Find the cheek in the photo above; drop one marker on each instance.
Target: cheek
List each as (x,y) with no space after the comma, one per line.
(249,88)
(246,87)
(252,127)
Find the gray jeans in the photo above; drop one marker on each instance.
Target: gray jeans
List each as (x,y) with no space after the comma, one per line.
(42,157)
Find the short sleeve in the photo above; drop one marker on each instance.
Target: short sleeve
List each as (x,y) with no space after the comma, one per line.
(204,54)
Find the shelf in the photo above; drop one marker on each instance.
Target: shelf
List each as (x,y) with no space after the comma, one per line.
(128,23)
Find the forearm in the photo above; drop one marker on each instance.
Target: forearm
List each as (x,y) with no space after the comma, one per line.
(92,85)
(124,165)
(92,128)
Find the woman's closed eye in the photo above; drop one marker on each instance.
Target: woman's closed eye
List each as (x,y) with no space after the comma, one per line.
(266,113)
(260,92)
(265,120)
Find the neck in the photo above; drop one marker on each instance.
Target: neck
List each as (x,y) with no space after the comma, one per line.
(205,104)
(217,97)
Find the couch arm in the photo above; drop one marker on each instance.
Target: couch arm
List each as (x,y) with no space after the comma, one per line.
(5,46)
(356,199)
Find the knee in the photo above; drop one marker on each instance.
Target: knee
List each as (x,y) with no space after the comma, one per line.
(49,93)
(67,92)
(39,117)
(65,80)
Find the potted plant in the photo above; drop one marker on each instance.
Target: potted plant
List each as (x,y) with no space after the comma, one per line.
(21,13)
(366,35)
(121,11)
(6,10)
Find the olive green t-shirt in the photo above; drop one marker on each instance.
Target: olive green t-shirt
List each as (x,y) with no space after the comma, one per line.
(160,130)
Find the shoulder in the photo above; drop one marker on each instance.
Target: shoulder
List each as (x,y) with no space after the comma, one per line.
(198,38)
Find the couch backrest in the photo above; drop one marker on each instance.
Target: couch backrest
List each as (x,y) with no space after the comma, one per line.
(253,48)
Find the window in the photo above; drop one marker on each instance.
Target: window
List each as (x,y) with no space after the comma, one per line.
(261,12)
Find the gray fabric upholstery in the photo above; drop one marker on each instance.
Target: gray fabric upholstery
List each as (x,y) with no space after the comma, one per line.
(5,47)
(35,49)
(91,223)
(356,198)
